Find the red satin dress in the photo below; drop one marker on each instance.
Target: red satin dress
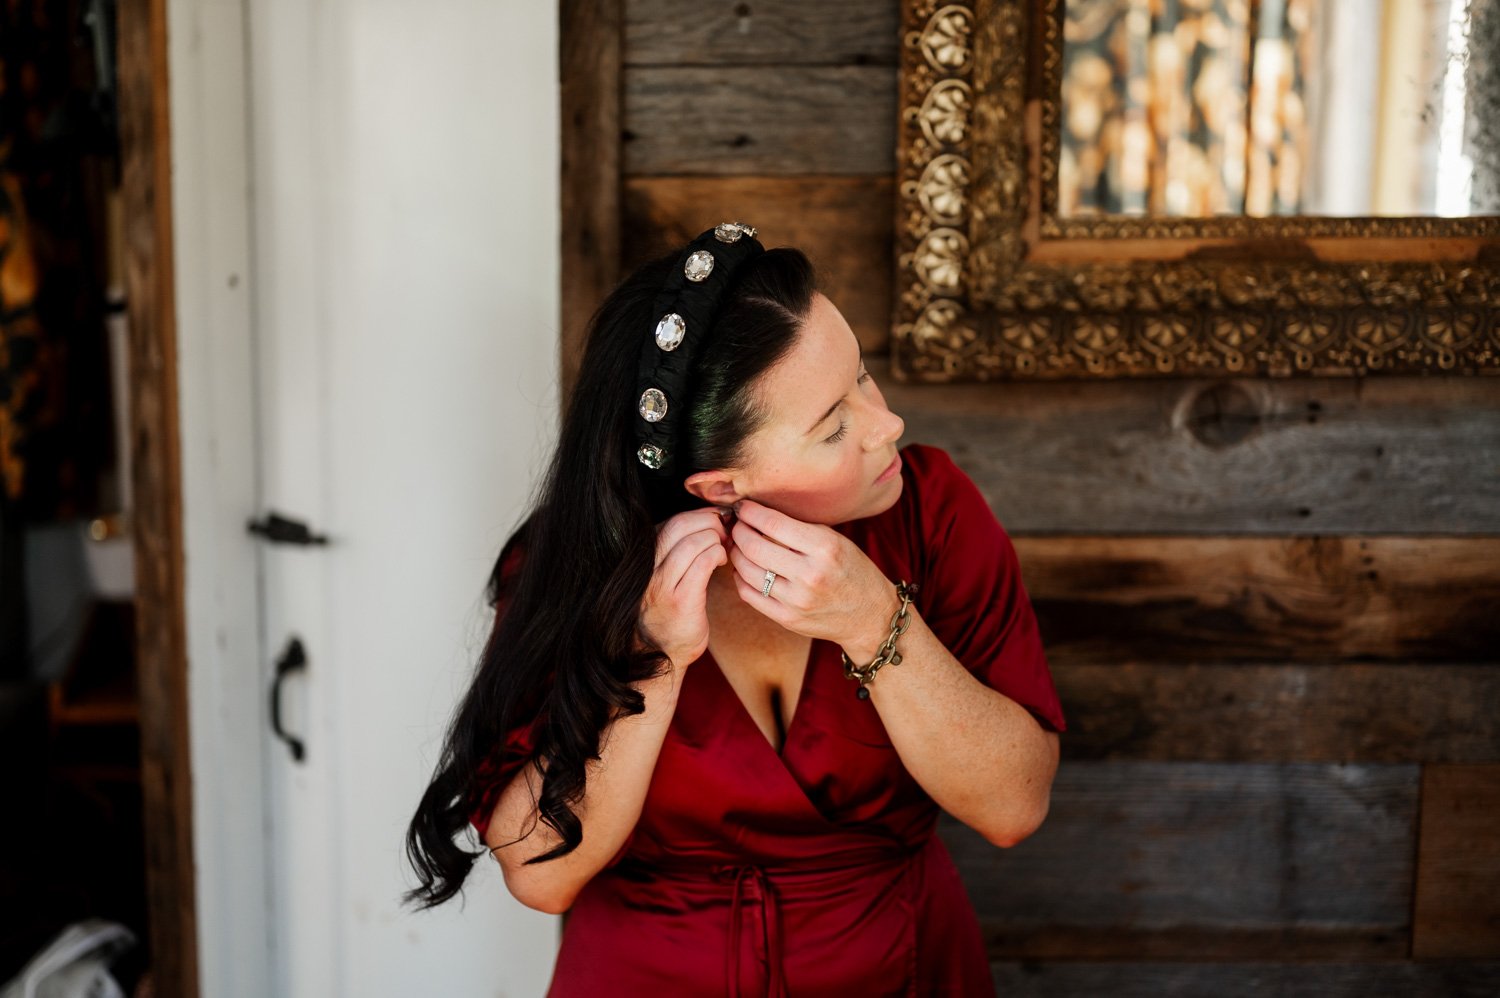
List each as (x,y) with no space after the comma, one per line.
(815,871)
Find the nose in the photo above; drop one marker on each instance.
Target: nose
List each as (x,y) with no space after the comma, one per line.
(888,428)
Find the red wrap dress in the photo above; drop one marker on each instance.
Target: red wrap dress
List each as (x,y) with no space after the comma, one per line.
(814,871)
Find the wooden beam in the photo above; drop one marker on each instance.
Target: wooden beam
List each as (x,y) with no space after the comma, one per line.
(1215,599)
(1384,455)
(590,192)
(1315,857)
(1457,912)
(745,120)
(768,32)
(1119,979)
(161,635)
(1283,712)
(1190,942)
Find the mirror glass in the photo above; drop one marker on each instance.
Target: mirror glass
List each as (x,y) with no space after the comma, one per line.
(1344,108)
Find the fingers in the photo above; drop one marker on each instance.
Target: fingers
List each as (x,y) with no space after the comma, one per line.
(751,579)
(681,570)
(774,607)
(695,579)
(763,551)
(682,524)
(778,527)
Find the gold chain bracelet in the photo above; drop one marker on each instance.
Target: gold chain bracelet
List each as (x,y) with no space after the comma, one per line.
(887,655)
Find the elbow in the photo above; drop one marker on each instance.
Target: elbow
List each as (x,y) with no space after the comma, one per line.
(1005,841)
(530,885)
(550,905)
(536,895)
(1021,820)
(1019,826)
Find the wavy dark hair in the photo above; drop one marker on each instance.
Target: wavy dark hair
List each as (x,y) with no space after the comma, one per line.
(565,645)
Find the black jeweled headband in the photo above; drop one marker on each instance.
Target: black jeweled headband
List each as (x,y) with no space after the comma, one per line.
(685,308)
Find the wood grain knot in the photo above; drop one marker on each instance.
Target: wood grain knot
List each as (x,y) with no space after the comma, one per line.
(1223,414)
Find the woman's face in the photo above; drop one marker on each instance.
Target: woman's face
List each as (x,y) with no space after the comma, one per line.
(827,437)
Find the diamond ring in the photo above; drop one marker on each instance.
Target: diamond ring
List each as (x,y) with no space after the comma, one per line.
(770,581)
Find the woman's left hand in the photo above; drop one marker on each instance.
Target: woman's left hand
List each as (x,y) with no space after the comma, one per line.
(825,586)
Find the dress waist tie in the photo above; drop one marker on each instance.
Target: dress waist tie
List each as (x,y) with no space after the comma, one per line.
(858,858)
(770,933)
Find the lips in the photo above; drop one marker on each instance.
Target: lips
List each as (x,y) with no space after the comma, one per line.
(895,463)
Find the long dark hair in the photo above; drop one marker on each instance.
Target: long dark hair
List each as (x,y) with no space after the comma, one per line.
(564,648)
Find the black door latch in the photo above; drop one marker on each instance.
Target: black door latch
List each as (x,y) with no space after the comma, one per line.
(274,527)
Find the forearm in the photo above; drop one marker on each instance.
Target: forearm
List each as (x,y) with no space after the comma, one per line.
(980,755)
(616,791)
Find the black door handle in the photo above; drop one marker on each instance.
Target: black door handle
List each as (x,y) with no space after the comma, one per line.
(292,658)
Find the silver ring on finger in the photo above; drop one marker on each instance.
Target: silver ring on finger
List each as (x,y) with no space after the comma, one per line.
(770,581)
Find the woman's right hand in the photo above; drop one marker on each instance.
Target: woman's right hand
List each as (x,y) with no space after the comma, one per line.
(674,611)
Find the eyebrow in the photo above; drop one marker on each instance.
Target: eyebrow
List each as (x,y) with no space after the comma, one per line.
(841,398)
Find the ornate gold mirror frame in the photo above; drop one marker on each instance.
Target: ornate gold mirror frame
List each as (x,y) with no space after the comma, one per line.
(992,284)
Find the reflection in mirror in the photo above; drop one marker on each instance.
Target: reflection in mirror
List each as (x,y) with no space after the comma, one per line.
(1341,108)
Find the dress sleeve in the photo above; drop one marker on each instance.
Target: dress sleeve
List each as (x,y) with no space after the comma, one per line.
(515,750)
(495,773)
(974,599)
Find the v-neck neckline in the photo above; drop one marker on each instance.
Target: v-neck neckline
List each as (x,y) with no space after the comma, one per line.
(744,712)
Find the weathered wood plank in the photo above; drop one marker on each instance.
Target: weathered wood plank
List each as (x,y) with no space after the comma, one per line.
(767,32)
(844,224)
(161,644)
(1391,454)
(1457,912)
(590,169)
(1147,847)
(1212,599)
(1283,980)
(1186,942)
(745,120)
(1348,712)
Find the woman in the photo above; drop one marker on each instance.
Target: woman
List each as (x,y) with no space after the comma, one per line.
(744,651)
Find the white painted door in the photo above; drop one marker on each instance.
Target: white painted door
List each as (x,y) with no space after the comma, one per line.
(399,194)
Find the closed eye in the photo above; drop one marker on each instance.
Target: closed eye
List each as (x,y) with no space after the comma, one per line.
(843,426)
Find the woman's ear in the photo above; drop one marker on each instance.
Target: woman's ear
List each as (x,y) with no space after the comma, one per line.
(714,487)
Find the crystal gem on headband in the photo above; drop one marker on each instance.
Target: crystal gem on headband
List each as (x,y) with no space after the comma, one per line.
(669,331)
(699,266)
(686,307)
(728,232)
(650,455)
(653,405)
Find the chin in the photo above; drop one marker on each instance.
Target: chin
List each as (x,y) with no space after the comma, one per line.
(878,506)
(895,496)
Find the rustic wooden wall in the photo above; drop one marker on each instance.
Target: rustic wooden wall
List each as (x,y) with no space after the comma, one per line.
(1270,605)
